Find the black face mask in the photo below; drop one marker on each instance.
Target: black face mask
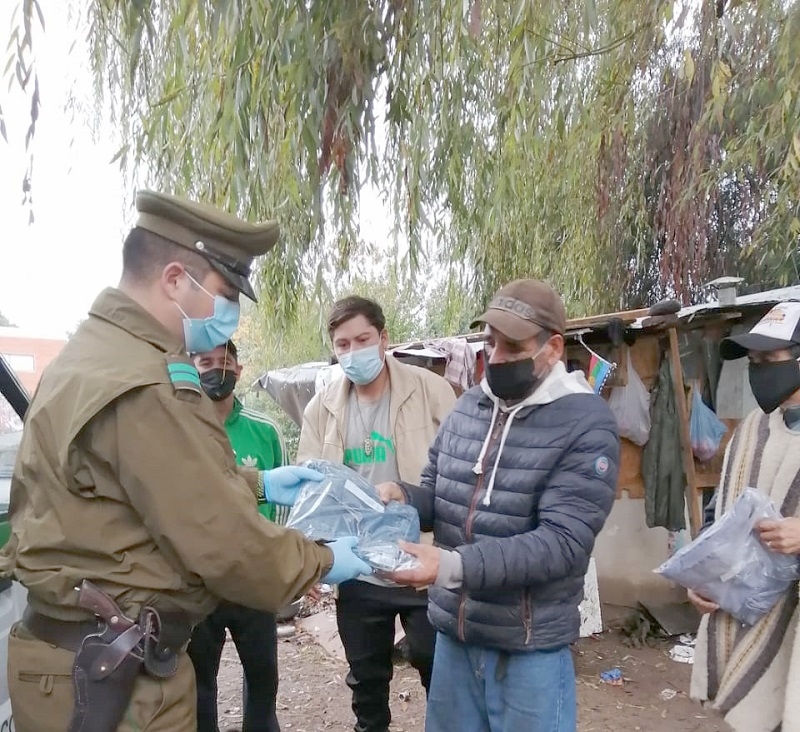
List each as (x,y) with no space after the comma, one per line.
(774,382)
(218,383)
(512,380)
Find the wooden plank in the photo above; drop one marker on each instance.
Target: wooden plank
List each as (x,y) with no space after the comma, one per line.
(706,480)
(628,316)
(630,470)
(619,376)
(683,429)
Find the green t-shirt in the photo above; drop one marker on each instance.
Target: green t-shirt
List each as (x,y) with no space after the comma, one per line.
(257,443)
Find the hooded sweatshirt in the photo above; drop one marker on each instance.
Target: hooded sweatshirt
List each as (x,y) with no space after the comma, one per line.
(557,384)
(551,463)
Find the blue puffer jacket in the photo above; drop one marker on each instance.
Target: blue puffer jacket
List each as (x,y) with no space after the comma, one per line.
(524,524)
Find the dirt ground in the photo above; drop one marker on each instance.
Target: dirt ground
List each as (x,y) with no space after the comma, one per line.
(313,695)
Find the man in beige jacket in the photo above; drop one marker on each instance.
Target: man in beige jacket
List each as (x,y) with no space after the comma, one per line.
(379,420)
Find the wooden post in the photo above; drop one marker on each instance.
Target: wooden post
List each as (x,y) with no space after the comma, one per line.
(683,429)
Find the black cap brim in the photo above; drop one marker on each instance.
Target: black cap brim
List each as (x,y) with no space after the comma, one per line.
(738,346)
(240,282)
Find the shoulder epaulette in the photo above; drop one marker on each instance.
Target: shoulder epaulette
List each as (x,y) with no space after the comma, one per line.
(183,375)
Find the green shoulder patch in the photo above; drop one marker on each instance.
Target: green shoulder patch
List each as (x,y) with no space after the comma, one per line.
(183,375)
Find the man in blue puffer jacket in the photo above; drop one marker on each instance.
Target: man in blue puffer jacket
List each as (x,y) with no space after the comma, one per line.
(520,480)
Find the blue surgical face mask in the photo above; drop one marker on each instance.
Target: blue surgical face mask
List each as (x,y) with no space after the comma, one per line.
(363,366)
(206,334)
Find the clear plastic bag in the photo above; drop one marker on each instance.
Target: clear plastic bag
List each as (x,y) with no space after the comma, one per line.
(728,563)
(630,405)
(705,429)
(344,504)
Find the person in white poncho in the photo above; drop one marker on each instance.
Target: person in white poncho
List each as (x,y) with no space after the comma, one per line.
(747,673)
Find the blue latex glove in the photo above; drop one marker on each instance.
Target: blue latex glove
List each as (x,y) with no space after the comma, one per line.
(346,564)
(281,484)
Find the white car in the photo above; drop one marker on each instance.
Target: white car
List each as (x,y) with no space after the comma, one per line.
(9,444)
(13,596)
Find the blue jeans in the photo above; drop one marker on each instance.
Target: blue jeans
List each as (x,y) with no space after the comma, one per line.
(481,690)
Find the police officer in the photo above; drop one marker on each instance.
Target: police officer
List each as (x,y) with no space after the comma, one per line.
(126,489)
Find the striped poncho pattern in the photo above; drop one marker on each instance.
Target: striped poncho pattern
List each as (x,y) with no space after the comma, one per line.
(751,673)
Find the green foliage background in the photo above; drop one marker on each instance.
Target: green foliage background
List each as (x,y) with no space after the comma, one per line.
(626,151)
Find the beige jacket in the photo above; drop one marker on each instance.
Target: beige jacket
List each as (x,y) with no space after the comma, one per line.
(420,400)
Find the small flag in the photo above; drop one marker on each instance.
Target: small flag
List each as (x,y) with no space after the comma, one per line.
(599,371)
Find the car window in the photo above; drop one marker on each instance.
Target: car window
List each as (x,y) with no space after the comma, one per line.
(10,436)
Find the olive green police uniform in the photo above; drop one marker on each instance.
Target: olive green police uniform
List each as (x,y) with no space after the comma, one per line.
(121,478)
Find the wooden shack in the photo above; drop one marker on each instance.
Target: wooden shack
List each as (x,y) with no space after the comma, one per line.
(627,549)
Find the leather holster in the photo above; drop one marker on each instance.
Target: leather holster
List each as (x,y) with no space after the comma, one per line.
(107,662)
(103,677)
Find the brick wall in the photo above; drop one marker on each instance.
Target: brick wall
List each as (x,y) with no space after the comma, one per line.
(43,351)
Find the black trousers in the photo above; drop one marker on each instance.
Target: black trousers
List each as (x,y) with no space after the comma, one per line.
(365,614)
(255,636)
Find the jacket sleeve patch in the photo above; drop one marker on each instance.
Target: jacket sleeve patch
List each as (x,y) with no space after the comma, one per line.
(601,465)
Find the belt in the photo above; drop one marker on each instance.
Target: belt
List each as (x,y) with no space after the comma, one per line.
(62,633)
(175,629)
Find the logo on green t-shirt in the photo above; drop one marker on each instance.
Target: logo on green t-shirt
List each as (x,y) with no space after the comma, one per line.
(380,444)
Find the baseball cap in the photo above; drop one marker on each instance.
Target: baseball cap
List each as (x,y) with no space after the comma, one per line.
(523,308)
(779,328)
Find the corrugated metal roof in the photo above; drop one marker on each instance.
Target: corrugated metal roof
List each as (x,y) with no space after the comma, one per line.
(767,297)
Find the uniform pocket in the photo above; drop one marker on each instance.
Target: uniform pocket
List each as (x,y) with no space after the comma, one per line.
(39,682)
(34,662)
(45,681)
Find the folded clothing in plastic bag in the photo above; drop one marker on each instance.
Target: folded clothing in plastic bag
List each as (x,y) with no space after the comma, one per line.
(728,563)
(345,504)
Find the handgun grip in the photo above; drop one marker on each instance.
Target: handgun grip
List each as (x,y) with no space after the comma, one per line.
(91,598)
